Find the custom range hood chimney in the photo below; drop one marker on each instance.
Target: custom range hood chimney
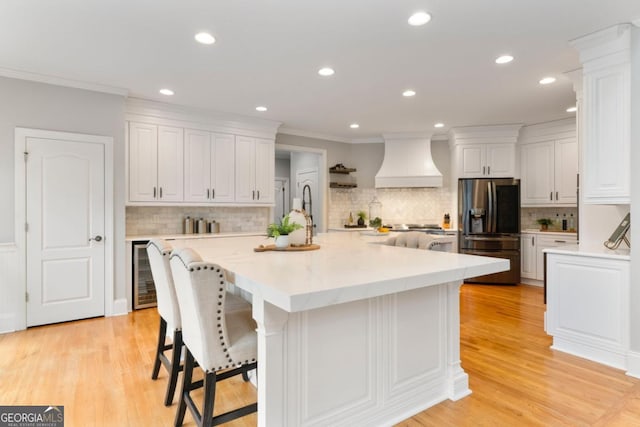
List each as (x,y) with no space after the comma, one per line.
(407,162)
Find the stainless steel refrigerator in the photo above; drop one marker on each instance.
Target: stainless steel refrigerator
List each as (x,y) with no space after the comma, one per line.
(489,224)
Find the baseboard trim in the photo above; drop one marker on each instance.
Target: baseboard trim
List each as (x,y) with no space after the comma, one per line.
(633,364)
(7,323)
(119,307)
(610,357)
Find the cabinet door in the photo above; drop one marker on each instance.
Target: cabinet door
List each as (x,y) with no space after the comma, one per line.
(143,162)
(606,136)
(528,249)
(500,160)
(471,161)
(170,164)
(223,167)
(265,170)
(245,169)
(537,162)
(566,171)
(197,166)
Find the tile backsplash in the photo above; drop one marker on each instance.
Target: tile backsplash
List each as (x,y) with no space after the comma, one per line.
(399,205)
(150,220)
(529,216)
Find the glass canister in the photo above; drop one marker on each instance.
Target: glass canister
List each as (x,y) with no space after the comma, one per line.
(375,212)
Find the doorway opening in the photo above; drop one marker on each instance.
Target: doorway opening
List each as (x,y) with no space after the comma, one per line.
(300,167)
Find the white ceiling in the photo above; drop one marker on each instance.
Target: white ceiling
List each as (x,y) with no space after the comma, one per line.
(268,53)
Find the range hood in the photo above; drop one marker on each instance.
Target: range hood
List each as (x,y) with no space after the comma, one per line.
(407,162)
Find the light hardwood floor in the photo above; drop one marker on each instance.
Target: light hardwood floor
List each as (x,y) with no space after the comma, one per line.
(100,370)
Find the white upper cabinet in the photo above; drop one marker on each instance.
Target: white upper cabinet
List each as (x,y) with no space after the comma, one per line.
(155,163)
(486,161)
(255,170)
(606,114)
(226,161)
(549,172)
(209,167)
(485,151)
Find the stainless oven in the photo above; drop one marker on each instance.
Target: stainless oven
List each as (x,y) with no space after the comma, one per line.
(144,290)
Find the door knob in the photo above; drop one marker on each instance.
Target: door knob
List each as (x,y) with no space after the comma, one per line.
(97,238)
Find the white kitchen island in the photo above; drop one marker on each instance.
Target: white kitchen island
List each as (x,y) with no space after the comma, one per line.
(356,333)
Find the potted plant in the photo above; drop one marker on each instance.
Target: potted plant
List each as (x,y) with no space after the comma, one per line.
(281,231)
(544,223)
(362,216)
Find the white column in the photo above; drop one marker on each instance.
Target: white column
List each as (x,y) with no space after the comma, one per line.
(457,378)
(271,356)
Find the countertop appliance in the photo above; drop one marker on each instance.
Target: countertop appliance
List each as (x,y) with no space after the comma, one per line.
(489,224)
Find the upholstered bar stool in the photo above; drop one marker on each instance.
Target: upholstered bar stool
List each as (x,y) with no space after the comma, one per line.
(221,339)
(412,239)
(158,251)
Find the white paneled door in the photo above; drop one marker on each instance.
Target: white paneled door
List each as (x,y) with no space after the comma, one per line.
(65,239)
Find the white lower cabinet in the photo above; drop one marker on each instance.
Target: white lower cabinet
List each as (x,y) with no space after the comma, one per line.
(528,255)
(532,246)
(588,304)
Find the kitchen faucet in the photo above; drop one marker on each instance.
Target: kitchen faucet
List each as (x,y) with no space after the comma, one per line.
(306,190)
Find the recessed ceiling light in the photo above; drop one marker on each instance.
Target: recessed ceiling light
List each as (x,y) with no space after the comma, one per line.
(326,72)
(572,109)
(261,108)
(419,18)
(354,126)
(205,38)
(438,125)
(409,93)
(167,92)
(547,80)
(504,59)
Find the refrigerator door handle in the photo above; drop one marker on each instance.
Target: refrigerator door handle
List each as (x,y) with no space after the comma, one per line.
(489,208)
(495,208)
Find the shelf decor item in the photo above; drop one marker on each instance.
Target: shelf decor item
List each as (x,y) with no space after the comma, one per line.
(375,212)
(544,223)
(362,216)
(281,231)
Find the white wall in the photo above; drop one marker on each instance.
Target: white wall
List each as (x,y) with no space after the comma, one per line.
(42,106)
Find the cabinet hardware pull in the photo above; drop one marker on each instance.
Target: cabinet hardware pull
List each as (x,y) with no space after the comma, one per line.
(207,193)
(154,192)
(253,195)
(97,238)
(483,168)
(258,194)
(533,240)
(560,241)
(488,170)
(551,195)
(213,193)
(161,192)
(556,195)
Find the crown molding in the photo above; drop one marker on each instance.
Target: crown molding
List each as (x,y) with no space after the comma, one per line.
(60,81)
(139,109)
(314,135)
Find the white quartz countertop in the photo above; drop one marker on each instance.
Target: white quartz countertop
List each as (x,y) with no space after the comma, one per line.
(347,267)
(131,238)
(595,251)
(551,233)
